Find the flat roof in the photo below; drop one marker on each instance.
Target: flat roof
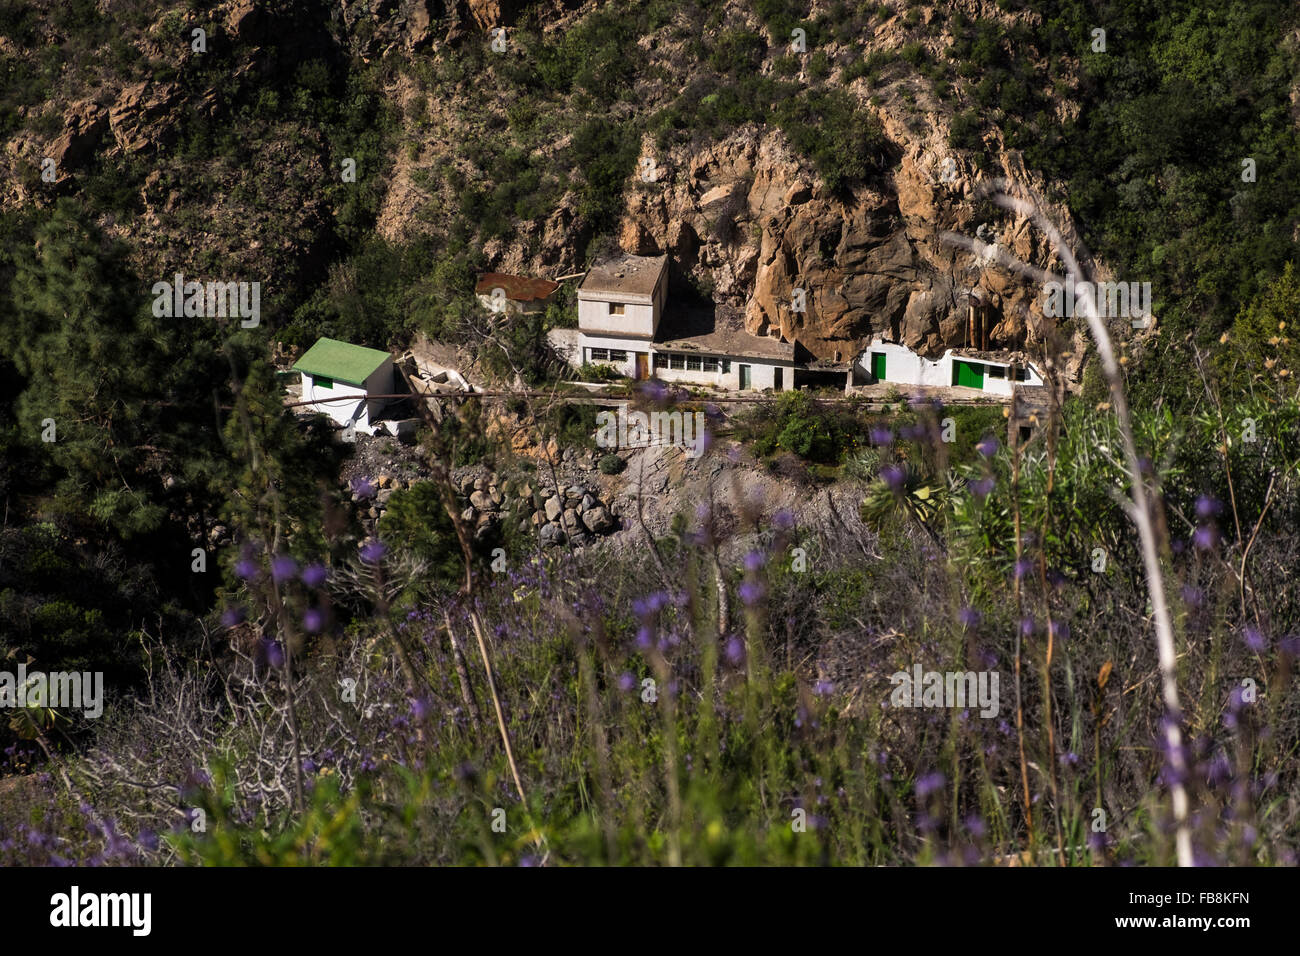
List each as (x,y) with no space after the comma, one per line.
(517,288)
(627,275)
(717,330)
(330,358)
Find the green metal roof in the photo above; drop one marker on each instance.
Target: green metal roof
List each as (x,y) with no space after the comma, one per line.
(331,358)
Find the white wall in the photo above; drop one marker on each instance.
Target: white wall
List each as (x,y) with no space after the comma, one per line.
(358,413)
(630,346)
(762,374)
(341,412)
(904,367)
(637,318)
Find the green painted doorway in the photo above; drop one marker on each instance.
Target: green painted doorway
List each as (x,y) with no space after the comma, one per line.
(968,374)
(878,366)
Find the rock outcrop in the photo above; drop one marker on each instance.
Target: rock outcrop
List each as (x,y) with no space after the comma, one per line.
(753,221)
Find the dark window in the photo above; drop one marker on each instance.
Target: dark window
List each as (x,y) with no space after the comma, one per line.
(997,371)
(710,365)
(661,360)
(320,381)
(693,363)
(616,356)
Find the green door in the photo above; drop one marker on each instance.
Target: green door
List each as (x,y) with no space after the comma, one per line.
(969,374)
(878,366)
(744,377)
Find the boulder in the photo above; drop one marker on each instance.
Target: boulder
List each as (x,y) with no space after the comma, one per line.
(553,508)
(482,501)
(599,520)
(552,535)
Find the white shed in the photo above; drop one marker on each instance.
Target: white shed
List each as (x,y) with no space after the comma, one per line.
(345,380)
(994,373)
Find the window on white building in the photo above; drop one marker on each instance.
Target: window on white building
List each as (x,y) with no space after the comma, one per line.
(617,356)
(677,361)
(598,355)
(710,365)
(661,360)
(693,363)
(617,308)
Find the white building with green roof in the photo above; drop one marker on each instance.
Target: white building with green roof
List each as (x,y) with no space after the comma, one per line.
(344,379)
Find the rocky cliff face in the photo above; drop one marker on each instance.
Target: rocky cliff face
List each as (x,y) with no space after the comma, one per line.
(749,219)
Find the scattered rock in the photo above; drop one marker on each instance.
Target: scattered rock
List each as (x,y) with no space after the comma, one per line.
(599,520)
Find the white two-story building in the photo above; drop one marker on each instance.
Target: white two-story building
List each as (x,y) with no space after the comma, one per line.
(622,324)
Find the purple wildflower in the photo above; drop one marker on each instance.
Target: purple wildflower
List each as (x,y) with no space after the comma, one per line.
(246,569)
(751,592)
(1205,537)
(363,488)
(313,619)
(754,560)
(1254,638)
(735,651)
(987,446)
(314,575)
(372,552)
(929,784)
(881,436)
(283,567)
(626,681)
(893,476)
(1208,507)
